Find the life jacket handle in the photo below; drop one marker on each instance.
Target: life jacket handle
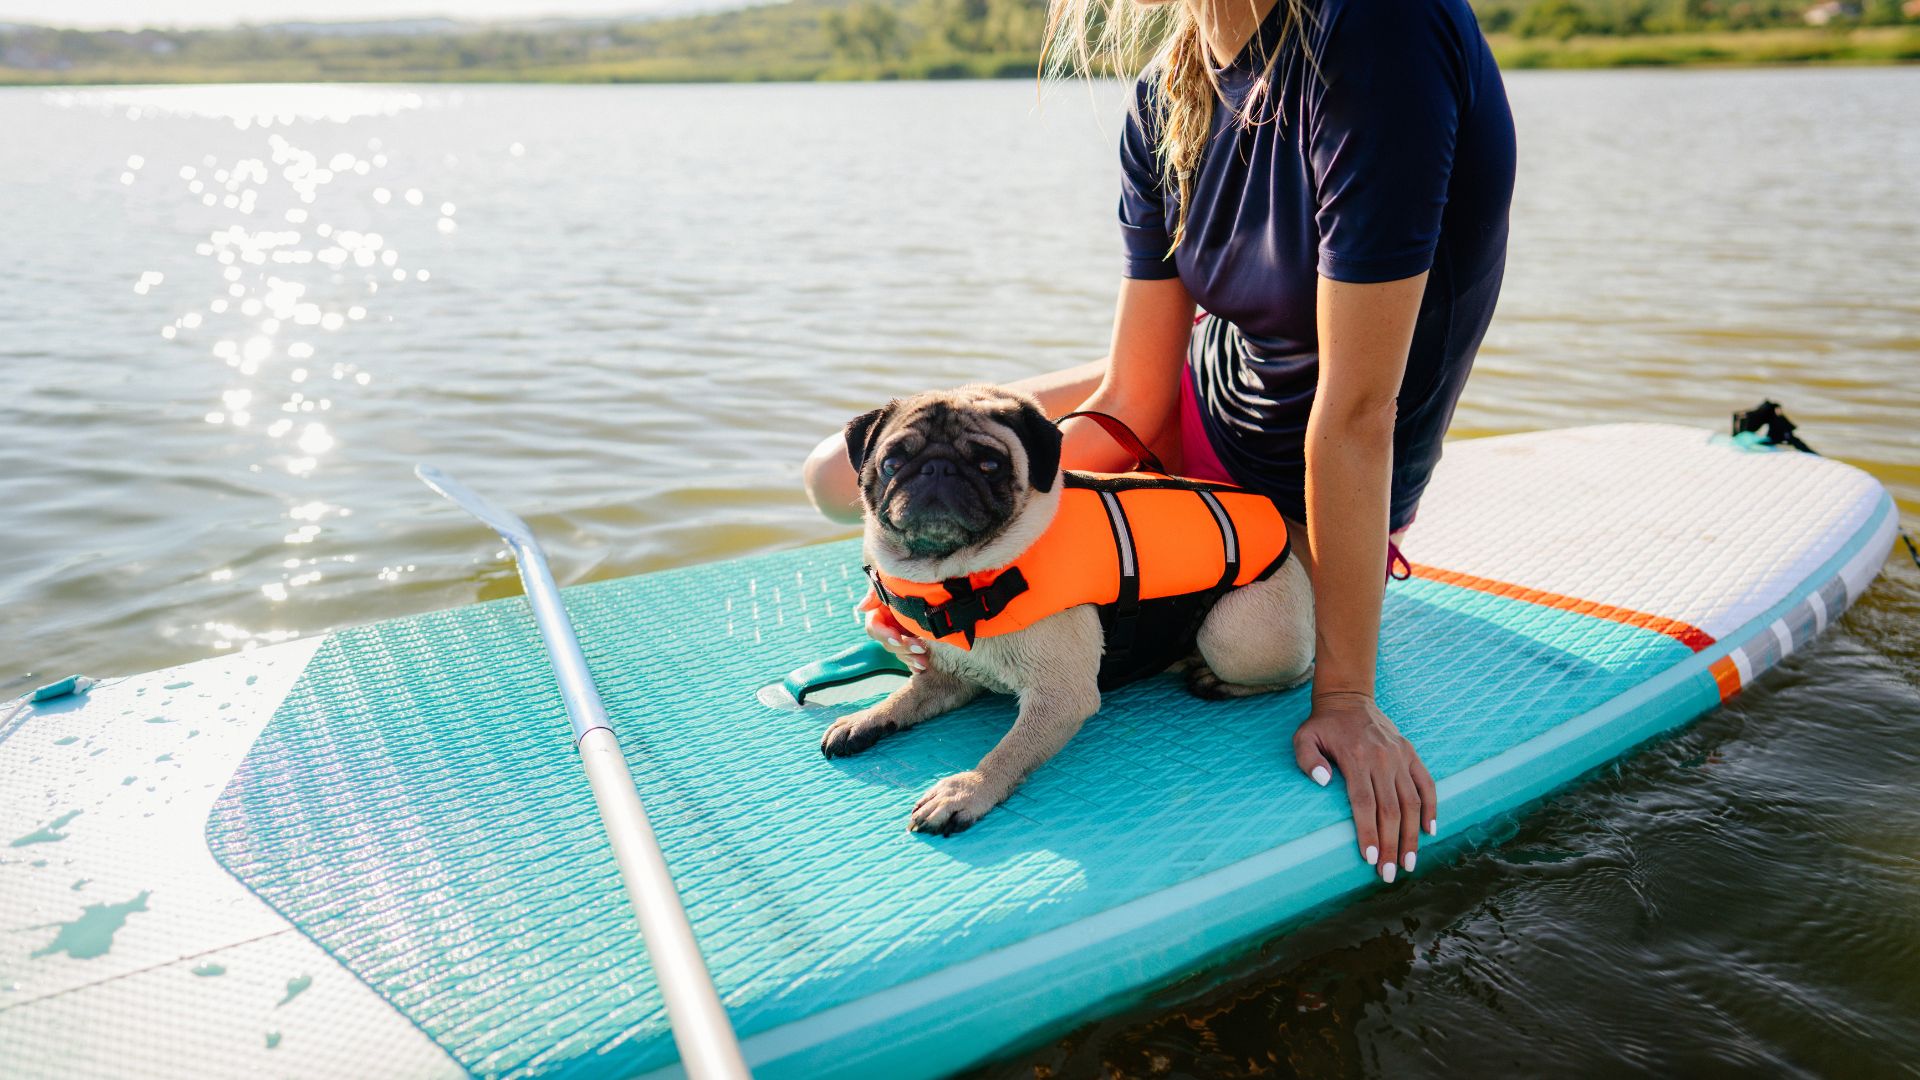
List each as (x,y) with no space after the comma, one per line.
(1119,432)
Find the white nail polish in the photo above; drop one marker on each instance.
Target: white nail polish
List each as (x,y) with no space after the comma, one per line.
(1433,826)
(1321,775)
(1409,860)
(916,649)
(1386,873)
(1373,854)
(894,641)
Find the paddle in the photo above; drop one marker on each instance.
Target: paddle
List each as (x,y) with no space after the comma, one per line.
(701,1030)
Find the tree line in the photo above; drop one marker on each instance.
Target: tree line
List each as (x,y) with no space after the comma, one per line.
(802,39)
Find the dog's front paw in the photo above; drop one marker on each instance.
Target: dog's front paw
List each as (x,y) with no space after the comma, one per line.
(854,732)
(953,805)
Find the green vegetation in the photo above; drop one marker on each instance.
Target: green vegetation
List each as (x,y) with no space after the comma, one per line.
(1734,48)
(903,39)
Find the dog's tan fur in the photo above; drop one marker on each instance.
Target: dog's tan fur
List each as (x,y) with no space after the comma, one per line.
(1256,639)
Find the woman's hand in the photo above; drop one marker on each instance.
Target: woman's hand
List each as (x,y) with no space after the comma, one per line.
(1392,794)
(885,629)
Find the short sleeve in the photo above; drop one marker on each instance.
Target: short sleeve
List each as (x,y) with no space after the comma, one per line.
(1143,223)
(1384,115)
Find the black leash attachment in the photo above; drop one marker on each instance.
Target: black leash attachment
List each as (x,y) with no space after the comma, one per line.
(1775,429)
(1767,417)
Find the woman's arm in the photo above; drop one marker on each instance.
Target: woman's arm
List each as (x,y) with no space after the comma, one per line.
(1151,326)
(1365,331)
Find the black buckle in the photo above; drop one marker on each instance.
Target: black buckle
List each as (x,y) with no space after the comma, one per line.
(964,612)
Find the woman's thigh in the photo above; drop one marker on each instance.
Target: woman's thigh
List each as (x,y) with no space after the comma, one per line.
(829,476)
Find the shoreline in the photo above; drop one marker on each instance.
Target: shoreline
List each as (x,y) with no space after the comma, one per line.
(1769,48)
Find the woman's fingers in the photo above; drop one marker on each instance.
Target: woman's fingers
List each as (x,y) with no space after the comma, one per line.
(1387,819)
(1360,795)
(1307,755)
(1429,798)
(884,628)
(1409,820)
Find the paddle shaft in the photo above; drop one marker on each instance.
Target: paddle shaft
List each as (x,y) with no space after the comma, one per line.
(701,1029)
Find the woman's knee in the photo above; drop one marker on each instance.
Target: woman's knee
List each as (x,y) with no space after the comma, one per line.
(830,480)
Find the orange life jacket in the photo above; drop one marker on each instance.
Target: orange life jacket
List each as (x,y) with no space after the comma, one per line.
(1152,552)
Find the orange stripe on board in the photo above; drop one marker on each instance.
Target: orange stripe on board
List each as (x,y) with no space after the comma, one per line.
(1685,633)
(1726,675)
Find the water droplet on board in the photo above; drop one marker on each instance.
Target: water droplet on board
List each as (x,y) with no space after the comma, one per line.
(51,832)
(91,934)
(296,987)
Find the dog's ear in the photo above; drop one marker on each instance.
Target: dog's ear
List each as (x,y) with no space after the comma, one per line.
(1040,438)
(862,431)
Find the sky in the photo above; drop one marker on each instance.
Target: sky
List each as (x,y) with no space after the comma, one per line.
(189,13)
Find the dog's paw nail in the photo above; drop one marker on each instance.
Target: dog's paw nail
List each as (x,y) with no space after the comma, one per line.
(953,805)
(852,734)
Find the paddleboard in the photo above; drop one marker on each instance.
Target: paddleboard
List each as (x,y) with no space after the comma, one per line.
(373,852)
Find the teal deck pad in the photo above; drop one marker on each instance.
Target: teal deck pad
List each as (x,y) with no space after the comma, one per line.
(415,806)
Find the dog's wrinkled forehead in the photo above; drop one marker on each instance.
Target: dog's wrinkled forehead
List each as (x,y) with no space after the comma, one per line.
(953,417)
(964,419)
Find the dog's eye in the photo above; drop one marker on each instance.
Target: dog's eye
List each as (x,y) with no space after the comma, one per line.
(890,465)
(989,465)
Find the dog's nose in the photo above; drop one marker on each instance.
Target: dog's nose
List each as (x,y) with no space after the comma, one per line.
(940,467)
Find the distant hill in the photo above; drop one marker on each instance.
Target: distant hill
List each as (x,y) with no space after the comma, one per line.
(739,40)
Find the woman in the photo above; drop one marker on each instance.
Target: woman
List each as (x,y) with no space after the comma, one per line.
(1328,181)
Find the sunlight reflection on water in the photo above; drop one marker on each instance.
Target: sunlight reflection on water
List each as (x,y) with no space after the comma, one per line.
(269,288)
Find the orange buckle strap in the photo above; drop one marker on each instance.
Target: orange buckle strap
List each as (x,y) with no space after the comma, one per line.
(964,611)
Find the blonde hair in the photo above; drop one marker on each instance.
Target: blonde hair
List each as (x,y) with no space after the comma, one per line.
(1089,37)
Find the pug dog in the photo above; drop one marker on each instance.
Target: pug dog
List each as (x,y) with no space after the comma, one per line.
(963,481)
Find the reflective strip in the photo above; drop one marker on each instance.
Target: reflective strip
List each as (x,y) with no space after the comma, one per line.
(1742,664)
(1227,531)
(1121,533)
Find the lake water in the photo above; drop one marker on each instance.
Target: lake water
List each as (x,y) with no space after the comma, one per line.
(233,318)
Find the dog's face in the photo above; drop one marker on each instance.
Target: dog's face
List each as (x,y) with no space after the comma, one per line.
(948,471)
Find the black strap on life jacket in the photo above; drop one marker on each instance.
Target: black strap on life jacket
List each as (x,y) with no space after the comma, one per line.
(1119,432)
(966,607)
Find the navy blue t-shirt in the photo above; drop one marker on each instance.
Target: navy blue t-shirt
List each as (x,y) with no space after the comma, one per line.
(1391,153)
